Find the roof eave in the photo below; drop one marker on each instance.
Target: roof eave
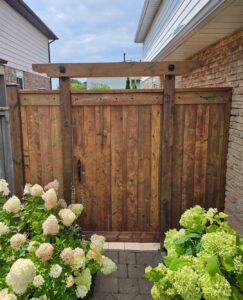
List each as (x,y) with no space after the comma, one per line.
(149,11)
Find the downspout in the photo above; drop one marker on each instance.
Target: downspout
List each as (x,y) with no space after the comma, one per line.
(49,56)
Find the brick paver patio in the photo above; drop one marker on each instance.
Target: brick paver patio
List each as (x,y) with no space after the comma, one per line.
(128,282)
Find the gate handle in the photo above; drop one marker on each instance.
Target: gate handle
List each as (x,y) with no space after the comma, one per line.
(79,169)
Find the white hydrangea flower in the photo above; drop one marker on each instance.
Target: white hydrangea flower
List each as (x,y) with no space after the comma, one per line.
(3,228)
(10,297)
(81,291)
(13,205)
(78,260)
(97,242)
(83,282)
(67,216)
(36,190)
(69,281)
(52,185)
(38,281)
(27,188)
(17,240)
(76,208)
(55,271)
(4,190)
(107,266)
(21,275)
(50,199)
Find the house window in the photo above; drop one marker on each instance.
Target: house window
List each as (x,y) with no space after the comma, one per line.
(20,82)
(137,81)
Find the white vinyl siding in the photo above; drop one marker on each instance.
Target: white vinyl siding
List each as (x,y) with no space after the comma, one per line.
(172,16)
(21,44)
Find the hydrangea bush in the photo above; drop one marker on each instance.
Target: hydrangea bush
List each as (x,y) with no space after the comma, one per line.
(43,254)
(204,260)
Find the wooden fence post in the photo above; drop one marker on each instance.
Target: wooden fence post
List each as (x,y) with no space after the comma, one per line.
(16,138)
(166,152)
(66,127)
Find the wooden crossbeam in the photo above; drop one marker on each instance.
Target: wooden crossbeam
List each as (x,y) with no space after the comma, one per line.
(116,69)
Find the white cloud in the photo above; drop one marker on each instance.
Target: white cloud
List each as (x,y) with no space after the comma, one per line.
(91,30)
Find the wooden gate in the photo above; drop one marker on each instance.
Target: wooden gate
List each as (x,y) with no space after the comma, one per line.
(136,159)
(117,154)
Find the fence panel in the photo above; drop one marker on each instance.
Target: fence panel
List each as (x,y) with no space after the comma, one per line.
(117,154)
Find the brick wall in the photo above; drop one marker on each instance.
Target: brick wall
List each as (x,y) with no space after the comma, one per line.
(31,81)
(223,66)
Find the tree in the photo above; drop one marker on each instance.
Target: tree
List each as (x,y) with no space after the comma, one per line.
(128,84)
(77,85)
(134,85)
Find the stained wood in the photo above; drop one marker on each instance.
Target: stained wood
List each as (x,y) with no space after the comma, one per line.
(116,99)
(200,97)
(200,159)
(177,163)
(117,168)
(155,161)
(166,152)
(188,158)
(115,69)
(132,168)
(16,139)
(66,129)
(142,164)
(127,236)
(56,147)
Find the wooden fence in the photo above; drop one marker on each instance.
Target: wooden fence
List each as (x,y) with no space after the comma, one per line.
(119,141)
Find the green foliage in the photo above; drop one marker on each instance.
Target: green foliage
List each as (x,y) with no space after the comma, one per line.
(77,85)
(128,84)
(134,85)
(101,87)
(205,252)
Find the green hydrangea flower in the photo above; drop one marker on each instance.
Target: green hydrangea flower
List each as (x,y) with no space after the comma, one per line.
(186,283)
(194,219)
(218,243)
(170,237)
(215,287)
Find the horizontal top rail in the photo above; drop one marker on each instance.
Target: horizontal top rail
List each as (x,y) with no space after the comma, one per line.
(126,97)
(116,69)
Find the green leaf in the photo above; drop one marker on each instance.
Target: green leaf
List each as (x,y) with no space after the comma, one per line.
(228,263)
(175,263)
(212,228)
(222,215)
(213,265)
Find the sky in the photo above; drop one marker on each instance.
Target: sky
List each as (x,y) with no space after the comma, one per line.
(91,30)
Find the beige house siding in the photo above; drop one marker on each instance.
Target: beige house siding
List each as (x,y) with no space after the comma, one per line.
(21,44)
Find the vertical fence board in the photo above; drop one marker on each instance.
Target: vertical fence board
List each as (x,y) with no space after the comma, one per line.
(177,163)
(155,158)
(116,168)
(132,168)
(200,165)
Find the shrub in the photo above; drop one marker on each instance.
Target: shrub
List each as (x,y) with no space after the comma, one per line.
(204,260)
(43,254)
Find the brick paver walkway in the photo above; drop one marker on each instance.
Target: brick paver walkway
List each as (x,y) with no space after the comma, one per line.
(128,282)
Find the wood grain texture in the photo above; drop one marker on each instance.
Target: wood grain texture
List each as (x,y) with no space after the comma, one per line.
(66,130)
(142,164)
(16,139)
(116,69)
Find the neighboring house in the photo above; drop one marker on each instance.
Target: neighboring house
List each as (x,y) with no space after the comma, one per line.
(24,40)
(211,32)
(113,83)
